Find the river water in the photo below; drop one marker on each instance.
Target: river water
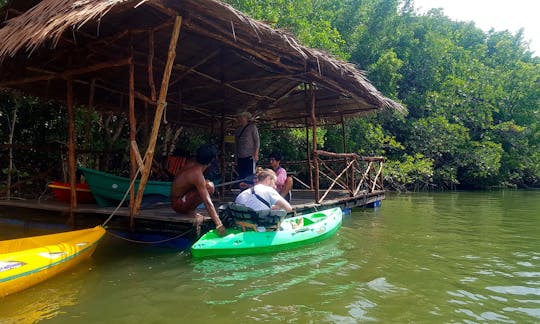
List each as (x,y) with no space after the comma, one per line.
(460,257)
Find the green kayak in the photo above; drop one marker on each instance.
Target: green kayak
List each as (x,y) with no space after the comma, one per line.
(293,232)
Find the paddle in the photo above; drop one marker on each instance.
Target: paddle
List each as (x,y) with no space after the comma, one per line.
(248,178)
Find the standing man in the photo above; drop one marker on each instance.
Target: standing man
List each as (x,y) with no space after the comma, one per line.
(283,182)
(189,188)
(247,146)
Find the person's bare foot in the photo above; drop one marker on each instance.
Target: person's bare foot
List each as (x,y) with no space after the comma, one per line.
(198,219)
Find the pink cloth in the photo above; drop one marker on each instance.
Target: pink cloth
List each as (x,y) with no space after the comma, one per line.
(281,179)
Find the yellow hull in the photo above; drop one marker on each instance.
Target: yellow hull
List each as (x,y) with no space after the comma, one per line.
(28,261)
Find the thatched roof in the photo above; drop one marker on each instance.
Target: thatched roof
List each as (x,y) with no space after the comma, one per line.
(225,61)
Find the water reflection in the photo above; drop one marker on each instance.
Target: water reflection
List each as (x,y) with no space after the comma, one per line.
(258,275)
(46,300)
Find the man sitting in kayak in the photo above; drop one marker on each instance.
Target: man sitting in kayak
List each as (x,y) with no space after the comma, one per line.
(263,195)
(189,188)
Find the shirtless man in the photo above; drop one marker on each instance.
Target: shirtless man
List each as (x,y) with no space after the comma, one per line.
(190,188)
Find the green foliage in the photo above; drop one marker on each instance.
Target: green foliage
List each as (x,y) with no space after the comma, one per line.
(364,137)
(385,73)
(291,143)
(310,20)
(482,164)
(413,173)
(438,139)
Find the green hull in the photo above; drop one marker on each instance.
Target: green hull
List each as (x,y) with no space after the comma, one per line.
(317,227)
(109,189)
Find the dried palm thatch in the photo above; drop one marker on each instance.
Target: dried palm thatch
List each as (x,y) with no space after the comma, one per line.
(226,61)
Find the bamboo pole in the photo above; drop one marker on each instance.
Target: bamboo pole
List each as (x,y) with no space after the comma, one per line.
(334,174)
(308,156)
(71,152)
(159,113)
(336,180)
(376,180)
(132,132)
(151,83)
(314,130)
(346,160)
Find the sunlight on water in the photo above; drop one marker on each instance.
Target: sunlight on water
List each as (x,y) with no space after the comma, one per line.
(420,258)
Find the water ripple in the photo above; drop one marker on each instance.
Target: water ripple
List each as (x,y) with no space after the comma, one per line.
(515,290)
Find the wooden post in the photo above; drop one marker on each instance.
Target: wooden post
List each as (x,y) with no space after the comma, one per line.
(308,156)
(222,123)
(346,160)
(343,134)
(314,130)
(151,83)
(159,113)
(71,152)
(132,138)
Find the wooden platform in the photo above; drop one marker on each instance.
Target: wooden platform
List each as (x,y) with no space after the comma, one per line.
(159,218)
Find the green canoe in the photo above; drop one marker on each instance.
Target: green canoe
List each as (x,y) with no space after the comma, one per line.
(109,189)
(316,226)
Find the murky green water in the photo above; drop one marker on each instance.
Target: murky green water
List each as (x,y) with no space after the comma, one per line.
(421,258)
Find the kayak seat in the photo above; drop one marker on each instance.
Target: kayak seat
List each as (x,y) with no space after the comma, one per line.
(246,217)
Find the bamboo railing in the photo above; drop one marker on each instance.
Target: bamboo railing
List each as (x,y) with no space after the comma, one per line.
(356,174)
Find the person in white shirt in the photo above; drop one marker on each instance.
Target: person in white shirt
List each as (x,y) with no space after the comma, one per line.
(263,195)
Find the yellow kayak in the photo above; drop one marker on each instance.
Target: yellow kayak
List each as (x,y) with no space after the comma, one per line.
(28,261)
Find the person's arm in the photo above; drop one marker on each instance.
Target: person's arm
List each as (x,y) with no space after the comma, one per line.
(281,203)
(203,192)
(278,201)
(256,142)
(287,187)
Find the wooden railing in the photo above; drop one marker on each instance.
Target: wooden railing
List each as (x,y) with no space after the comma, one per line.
(348,171)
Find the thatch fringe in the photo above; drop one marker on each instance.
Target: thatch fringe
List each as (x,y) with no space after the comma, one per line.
(48,20)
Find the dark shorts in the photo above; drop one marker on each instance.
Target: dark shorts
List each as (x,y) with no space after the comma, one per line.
(288,197)
(246,168)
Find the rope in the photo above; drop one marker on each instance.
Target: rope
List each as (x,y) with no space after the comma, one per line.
(118,207)
(44,191)
(123,198)
(146,242)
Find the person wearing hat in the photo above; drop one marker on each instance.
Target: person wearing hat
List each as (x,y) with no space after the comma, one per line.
(247,146)
(189,188)
(283,182)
